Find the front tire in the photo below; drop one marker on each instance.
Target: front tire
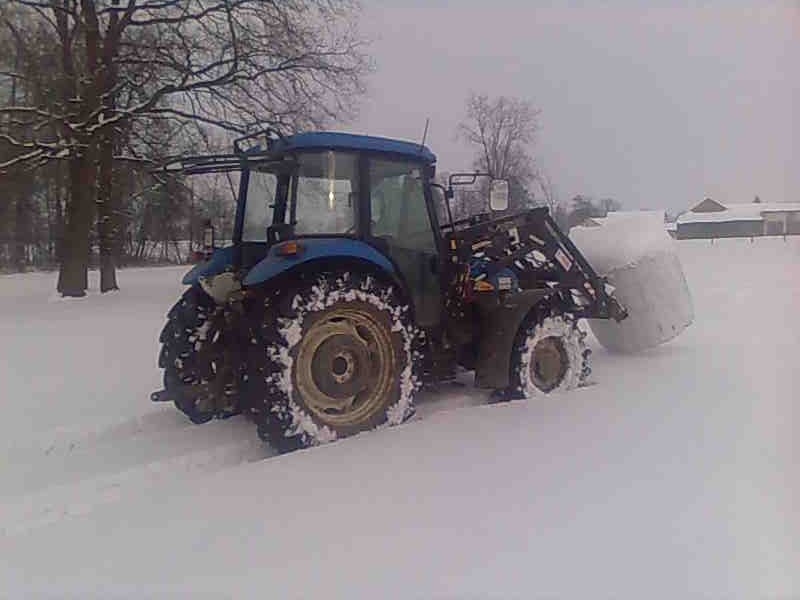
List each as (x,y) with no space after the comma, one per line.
(549,355)
(338,360)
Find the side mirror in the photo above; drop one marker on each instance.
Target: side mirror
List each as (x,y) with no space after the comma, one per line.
(498,195)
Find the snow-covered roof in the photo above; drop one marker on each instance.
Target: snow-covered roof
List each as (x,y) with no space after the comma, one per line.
(724,216)
(781,207)
(752,211)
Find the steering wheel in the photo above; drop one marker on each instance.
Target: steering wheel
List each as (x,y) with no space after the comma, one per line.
(354,227)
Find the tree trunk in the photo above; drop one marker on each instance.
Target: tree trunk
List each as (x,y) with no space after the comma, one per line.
(58,239)
(106,221)
(73,278)
(17,246)
(105,217)
(20,228)
(51,192)
(73,275)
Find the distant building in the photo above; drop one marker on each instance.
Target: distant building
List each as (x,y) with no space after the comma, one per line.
(711,219)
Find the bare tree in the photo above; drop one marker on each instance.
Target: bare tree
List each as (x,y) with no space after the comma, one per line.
(502,131)
(189,65)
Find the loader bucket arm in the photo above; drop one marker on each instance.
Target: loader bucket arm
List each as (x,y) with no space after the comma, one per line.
(531,245)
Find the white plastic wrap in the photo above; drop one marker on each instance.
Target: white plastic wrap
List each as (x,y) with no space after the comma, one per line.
(635,253)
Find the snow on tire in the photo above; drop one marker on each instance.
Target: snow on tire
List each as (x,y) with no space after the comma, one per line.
(341,360)
(550,355)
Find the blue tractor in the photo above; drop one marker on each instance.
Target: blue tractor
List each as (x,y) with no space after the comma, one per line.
(348,285)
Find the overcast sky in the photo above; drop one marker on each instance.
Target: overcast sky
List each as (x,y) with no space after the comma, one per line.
(656,104)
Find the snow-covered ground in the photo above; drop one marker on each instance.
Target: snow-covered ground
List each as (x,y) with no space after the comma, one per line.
(677,474)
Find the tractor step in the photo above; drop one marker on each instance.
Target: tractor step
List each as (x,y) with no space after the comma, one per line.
(161,396)
(183,391)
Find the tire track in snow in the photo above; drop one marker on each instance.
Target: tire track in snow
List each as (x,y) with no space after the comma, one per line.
(69,474)
(81,498)
(63,441)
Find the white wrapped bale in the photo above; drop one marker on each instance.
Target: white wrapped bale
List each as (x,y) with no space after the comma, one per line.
(635,253)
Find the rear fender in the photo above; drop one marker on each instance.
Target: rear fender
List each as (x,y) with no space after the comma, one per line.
(221,260)
(313,250)
(499,327)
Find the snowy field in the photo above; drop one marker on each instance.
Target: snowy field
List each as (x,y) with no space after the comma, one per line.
(677,474)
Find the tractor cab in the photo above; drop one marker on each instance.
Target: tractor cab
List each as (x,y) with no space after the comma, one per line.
(334,196)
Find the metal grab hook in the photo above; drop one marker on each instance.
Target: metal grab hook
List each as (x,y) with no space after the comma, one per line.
(268,133)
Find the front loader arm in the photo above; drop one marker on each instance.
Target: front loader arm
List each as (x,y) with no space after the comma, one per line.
(531,244)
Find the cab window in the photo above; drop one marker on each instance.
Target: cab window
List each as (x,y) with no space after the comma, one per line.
(324,195)
(399,211)
(258,207)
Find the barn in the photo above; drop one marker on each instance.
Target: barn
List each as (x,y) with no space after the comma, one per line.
(711,219)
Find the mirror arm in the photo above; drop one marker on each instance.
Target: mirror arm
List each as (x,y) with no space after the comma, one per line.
(465,178)
(448,195)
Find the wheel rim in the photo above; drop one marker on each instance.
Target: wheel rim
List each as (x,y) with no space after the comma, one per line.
(344,367)
(549,363)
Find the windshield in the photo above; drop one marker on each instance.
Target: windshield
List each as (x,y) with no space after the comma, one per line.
(324,194)
(322,197)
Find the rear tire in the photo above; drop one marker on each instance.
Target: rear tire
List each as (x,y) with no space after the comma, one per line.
(549,355)
(336,358)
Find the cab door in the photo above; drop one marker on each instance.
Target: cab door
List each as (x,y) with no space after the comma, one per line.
(399,219)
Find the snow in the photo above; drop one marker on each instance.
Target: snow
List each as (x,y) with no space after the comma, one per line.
(656,295)
(622,239)
(640,260)
(674,475)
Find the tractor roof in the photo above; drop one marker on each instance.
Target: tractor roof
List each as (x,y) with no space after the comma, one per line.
(329,140)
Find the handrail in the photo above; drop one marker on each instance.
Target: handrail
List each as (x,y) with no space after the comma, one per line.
(267,133)
(193,165)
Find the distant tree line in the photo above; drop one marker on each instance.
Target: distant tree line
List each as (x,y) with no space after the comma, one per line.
(581,208)
(96,93)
